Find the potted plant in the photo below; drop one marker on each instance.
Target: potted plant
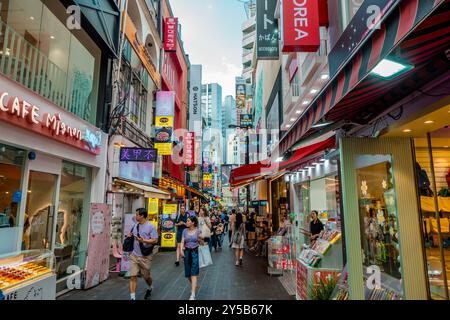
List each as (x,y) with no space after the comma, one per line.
(323,289)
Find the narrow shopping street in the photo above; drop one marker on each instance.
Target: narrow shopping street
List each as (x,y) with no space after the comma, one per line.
(221,281)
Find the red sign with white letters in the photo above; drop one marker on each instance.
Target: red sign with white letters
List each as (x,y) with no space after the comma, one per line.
(189,148)
(170,34)
(301,26)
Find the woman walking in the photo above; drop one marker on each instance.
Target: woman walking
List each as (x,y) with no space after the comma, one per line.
(190,242)
(239,238)
(204,223)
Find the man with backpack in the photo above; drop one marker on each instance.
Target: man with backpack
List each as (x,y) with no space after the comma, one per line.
(145,237)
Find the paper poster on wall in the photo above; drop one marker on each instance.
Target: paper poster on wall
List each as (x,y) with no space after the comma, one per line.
(97,268)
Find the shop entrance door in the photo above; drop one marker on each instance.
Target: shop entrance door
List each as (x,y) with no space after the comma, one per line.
(40,211)
(384,254)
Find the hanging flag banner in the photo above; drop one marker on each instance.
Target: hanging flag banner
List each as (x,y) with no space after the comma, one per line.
(266,30)
(300,20)
(195,97)
(189,149)
(170,34)
(165,102)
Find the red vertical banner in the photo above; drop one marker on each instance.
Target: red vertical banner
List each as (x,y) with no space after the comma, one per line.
(189,149)
(301,26)
(170,34)
(97,268)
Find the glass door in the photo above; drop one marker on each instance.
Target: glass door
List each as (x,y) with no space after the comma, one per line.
(40,211)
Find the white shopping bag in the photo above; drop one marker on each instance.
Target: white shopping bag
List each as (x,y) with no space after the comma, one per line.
(204,256)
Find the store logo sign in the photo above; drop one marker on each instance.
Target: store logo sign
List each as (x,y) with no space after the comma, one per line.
(74,280)
(28,116)
(301,26)
(374,277)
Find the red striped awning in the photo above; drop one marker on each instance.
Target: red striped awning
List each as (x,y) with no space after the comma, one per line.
(420,33)
(252,172)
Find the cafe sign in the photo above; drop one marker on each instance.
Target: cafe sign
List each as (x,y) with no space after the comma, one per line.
(28,116)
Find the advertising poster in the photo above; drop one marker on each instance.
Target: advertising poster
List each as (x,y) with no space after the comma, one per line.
(164,121)
(97,268)
(168,240)
(165,102)
(153,205)
(240,96)
(170,208)
(163,140)
(189,149)
(302,281)
(137,171)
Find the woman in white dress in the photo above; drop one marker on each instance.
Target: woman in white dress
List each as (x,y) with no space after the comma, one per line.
(239,238)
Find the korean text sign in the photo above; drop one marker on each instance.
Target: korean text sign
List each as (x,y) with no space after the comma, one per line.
(171,32)
(189,148)
(301,26)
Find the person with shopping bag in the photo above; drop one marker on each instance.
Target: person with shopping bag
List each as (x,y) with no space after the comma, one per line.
(190,242)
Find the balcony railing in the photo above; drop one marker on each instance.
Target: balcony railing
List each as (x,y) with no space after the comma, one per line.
(24,63)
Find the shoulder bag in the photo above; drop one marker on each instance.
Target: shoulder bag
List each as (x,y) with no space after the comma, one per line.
(146,251)
(128,243)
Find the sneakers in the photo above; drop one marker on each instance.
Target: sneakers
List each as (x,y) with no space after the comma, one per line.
(240,262)
(148,293)
(177,263)
(192,296)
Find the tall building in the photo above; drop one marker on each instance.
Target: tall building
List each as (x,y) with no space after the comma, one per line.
(212,133)
(248,41)
(228,118)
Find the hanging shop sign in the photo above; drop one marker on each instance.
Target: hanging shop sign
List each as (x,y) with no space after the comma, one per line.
(163,141)
(164,121)
(240,96)
(195,109)
(153,205)
(165,102)
(246,120)
(189,149)
(168,240)
(141,51)
(170,208)
(170,34)
(301,26)
(266,30)
(21,113)
(138,155)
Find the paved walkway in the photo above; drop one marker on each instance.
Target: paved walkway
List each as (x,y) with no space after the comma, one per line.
(221,281)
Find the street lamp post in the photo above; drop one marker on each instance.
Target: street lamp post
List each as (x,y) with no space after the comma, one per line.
(247,154)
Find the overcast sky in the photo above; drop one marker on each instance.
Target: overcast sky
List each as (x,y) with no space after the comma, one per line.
(212,36)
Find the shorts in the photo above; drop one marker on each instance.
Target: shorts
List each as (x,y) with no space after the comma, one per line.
(140,265)
(191,263)
(179,237)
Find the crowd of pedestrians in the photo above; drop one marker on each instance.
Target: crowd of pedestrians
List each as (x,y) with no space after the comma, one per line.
(196,232)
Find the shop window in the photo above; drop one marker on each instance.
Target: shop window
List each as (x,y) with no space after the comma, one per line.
(40,52)
(435,221)
(72,218)
(11,170)
(378,221)
(39,212)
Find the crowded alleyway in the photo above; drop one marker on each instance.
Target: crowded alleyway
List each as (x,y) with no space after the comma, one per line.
(221,281)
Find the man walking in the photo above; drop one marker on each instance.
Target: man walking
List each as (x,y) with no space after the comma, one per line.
(180,223)
(145,237)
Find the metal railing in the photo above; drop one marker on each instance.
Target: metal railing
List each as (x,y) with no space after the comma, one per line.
(24,63)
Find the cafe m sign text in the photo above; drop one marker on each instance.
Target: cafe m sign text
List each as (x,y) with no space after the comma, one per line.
(138,155)
(28,116)
(300,26)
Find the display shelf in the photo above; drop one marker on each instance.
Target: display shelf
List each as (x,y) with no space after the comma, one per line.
(279,255)
(391,288)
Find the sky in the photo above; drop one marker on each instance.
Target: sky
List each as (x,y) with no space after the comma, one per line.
(212,36)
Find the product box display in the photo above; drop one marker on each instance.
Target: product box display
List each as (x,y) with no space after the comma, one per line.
(28,275)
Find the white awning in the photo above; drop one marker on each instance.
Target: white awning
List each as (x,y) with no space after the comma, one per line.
(149,191)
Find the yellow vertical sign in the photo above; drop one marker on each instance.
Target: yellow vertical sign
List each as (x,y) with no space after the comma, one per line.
(153,205)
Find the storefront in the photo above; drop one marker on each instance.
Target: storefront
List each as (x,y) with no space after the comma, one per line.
(52,167)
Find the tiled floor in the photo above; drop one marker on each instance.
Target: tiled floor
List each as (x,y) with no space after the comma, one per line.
(221,281)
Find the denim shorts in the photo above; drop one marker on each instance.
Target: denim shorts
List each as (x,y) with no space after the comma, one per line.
(191,263)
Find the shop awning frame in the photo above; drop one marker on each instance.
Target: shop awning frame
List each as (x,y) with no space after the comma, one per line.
(407,27)
(148,191)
